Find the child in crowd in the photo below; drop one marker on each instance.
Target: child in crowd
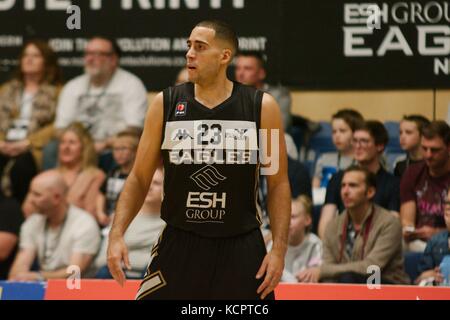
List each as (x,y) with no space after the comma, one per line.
(343,124)
(437,248)
(410,133)
(304,248)
(141,235)
(124,153)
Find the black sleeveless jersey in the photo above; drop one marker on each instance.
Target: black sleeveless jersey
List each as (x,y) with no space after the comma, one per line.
(211,162)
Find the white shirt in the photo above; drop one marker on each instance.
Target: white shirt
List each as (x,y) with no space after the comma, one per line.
(78,234)
(140,237)
(105,110)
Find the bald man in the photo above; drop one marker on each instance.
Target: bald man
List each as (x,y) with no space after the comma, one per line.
(59,235)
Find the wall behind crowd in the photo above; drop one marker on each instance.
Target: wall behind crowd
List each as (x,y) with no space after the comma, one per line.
(385,61)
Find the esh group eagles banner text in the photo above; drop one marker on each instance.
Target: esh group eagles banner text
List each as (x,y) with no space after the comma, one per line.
(310,44)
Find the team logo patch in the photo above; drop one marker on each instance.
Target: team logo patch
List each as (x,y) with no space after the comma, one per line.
(180,109)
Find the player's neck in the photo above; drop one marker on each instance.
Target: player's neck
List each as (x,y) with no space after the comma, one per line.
(213,93)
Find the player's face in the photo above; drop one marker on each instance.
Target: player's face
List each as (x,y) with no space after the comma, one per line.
(204,56)
(248,71)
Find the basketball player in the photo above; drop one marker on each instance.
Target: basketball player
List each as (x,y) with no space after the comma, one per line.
(212,247)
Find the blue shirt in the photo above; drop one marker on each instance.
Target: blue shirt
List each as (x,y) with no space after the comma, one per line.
(435,251)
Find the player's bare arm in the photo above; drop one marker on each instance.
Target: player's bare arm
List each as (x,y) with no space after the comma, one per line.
(279,200)
(135,189)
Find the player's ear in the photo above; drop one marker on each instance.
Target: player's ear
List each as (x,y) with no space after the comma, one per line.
(227,55)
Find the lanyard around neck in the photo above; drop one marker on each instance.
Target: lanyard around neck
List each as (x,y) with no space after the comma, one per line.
(57,240)
(366,231)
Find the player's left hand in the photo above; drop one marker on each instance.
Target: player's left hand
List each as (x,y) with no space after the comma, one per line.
(272,266)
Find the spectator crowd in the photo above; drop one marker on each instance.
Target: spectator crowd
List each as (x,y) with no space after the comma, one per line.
(66,151)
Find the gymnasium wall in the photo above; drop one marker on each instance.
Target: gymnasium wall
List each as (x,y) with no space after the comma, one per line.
(384,105)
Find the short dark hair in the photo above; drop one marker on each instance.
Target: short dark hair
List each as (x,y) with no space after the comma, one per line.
(369,177)
(377,131)
(114,46)
(419,120)
(253,54)
(437,128)
(350,116)
(223,31)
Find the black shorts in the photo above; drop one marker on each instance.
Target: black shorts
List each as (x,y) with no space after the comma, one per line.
(187,266)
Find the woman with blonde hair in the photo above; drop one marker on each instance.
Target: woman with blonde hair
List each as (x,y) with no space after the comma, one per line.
(77,162)
(27,111)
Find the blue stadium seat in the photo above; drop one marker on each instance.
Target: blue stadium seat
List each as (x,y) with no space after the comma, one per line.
(412,260)
(296,134)
(320,142)
(393,129)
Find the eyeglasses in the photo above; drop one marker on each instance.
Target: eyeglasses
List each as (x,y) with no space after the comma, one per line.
(362,142)
(98,53)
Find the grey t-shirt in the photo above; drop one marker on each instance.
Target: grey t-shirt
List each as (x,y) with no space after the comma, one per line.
(307,254)
(140,237)
(330,163)
(78,234)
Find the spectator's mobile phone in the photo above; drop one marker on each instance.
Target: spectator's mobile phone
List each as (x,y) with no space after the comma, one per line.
(409,229)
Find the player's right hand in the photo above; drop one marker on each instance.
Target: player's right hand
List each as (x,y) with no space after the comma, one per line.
(118,252)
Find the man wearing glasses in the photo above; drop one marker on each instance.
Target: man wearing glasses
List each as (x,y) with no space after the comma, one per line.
(424,188)
(369,141)
(106,98)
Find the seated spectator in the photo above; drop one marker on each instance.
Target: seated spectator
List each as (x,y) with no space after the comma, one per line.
(343,123)
(142,234)
(363,235)
(369,142)
(57,234)
(304,248)
(77,165)
(424,188)
(124,152)
(437,248)
(410,132)
(106,99)
(11,218)
(299,182)
(250,70)
(27,111)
